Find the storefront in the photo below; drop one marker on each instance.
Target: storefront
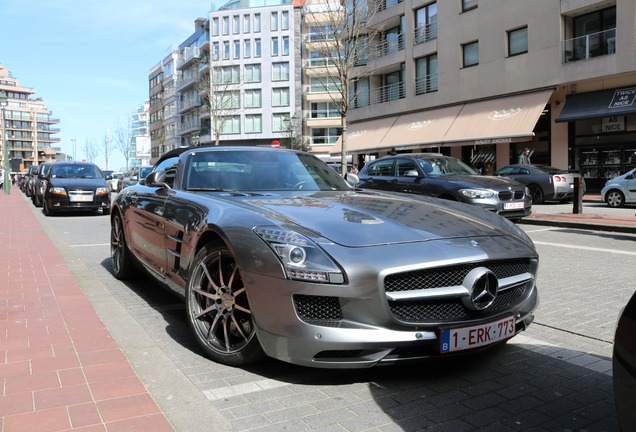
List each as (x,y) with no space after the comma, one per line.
(602,134)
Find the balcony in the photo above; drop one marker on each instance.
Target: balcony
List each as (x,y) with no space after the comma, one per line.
(425,85)
(388,93)
(425,33)
(188,104)
(189,126)
(589,46)
(388,46)
(187,56)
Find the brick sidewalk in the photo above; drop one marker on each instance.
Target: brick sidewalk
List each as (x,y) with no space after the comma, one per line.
(60,369)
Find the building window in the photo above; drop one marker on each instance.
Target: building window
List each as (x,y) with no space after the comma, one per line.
(246,23)
(215,26)
(215,51)
(280,121)
(253,98)
(228,100)
(285,45)
(468,5)
(257,47)
(226,50)
(518,41)
(471,54)
(426,74)
(247,49)
(231,124)
(253,73)
(325,136)
(274,46)
(226,25)
(280,71)
(323,85)
(253,123)
(284,25)
(237,49)
(280,96)
(426,23)
(274,21)
(361,95)
(236,27)
(321,110)
(226,75)
(257,23)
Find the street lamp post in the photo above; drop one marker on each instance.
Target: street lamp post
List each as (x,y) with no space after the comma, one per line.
(4,100)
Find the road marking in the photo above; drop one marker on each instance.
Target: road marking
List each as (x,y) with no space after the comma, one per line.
(614,251)
(91,245)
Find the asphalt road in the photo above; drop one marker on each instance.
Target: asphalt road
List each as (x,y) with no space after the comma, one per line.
(554,376)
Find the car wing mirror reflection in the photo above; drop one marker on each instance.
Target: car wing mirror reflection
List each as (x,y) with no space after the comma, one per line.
(411,173)
(156,179)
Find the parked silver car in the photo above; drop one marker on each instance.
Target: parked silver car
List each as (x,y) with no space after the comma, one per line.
(620,190)
(276,254)
(545,183)
(449,178)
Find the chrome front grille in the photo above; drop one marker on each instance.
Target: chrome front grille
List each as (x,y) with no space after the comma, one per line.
(446,308)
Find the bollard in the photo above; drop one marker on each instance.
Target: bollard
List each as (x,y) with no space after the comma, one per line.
(578,196)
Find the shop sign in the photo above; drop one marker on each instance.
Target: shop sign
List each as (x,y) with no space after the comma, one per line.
(623,98)
(613,124)
(493,141)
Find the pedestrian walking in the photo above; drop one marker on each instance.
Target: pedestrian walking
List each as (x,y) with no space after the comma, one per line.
(524,158)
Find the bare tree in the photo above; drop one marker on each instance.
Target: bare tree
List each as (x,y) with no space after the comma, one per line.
(219,90)
(121,140)
(91,150)
(341,39)
(108,147)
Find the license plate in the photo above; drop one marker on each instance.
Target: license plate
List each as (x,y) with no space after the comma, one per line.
(81,198)
(513,205)
(463,338)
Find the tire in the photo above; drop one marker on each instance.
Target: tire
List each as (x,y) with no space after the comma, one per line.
(218,308)
(36,201)
(536,193)
(615,198)
(121,259)
(47,210)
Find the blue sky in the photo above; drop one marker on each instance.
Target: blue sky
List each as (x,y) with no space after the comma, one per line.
(89,59)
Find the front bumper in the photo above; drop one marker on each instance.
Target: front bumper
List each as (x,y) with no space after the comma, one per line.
(63,203)
(357,325)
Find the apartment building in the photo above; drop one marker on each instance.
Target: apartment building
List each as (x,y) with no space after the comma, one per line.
(163,120)
(139,145)
(486,78)
(28,126)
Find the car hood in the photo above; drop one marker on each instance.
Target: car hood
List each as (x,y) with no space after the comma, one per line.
(77,183)
(358,219)
(487,182)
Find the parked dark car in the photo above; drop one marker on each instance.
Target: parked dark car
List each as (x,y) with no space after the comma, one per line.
(277,254)
(445,177)
(75,186)
(545,183)
(39,183)
(624,366)
(29,180)
(133,176)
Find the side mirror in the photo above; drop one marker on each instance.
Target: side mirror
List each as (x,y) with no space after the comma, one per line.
(156,179)
(352,179)
(109,177)
(411,173)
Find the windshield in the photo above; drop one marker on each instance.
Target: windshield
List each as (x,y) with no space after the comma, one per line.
(75,171)
(260,171)
(443,166)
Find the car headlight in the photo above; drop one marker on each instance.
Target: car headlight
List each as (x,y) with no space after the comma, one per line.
(57,191)
(101,191)
(477,193)
(301,257)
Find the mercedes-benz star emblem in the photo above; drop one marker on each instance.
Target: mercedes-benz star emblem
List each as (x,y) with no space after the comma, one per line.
(483,286)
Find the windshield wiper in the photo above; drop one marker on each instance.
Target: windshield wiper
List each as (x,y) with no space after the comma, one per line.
(203,189)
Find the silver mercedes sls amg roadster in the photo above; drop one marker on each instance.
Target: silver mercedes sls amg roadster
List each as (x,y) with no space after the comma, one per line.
(278,255)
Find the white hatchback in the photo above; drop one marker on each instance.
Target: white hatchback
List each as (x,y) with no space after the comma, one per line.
(620,190)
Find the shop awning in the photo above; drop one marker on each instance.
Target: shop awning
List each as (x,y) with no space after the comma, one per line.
(421,128)
(493,121)
(604,103)
(364,135)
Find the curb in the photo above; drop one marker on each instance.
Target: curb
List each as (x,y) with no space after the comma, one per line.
(580,225)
